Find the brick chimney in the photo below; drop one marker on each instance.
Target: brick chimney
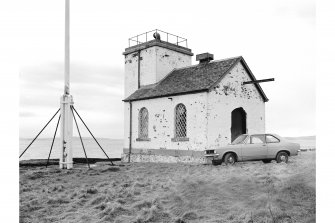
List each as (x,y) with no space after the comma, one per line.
(204,57)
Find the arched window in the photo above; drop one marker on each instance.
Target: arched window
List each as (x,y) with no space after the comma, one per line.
(180,121)
(143,119)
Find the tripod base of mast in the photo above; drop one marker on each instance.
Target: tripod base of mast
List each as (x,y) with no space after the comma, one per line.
(66,160)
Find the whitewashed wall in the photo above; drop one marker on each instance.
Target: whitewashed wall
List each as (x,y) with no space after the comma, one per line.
(228,95)
(130,74)
(155,63)
(126,125)
(167,60)
(161,123)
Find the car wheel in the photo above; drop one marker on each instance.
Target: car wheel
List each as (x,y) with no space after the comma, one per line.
(282,157)
(229,159)
(266,161)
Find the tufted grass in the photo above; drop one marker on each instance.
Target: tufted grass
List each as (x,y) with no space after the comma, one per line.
(152,192)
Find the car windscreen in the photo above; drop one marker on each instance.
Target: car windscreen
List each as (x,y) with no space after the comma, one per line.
(239,139)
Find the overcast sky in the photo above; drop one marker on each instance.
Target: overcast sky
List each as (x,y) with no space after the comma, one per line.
(276,38)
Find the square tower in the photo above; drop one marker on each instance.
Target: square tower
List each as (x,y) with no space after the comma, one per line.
(149,60)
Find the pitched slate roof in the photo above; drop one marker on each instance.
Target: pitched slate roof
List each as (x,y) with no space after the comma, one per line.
(192,79)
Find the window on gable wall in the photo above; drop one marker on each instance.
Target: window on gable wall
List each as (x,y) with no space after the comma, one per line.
(143,119)
(180,121)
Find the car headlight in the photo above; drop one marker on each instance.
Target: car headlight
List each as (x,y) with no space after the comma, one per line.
(211,151)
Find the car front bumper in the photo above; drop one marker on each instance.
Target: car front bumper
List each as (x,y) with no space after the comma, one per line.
(210,157)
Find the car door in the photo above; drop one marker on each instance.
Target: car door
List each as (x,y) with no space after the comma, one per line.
(255,148)
(273,144)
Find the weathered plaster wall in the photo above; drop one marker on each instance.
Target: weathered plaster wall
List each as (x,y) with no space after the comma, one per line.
(148,66)
(126,125)
(161,123)
(130,74)
(228,95)
(167,60)
(155,63)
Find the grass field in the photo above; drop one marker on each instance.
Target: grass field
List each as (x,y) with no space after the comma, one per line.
(152,192)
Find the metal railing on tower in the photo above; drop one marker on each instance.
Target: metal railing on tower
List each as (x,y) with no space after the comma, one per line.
(157,34)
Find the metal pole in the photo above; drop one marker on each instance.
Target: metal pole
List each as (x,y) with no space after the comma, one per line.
(139,69)
(65,161)
(130,129)
(258,81)
(67,48)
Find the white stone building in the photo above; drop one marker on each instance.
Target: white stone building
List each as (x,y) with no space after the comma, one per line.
(175,110)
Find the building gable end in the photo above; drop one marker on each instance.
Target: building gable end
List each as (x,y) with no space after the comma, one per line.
(250,74)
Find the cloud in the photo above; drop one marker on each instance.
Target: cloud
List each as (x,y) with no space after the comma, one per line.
(97,92)
(304,9)
(80,73)
(43,84)
(27,114)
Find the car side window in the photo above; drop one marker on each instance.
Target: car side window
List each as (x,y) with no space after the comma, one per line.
(248,140)
(257,139)
(271,139)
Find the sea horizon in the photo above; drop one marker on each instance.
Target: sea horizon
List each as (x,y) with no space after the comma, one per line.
(113,147)
(41,147)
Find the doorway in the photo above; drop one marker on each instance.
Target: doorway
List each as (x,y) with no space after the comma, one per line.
(238,123)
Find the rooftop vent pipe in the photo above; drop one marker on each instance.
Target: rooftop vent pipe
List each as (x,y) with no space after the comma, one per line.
(204,57)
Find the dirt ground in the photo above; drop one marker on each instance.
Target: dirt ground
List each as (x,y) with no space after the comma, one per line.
(157,192)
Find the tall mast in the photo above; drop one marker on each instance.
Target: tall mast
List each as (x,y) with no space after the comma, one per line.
(65,160)
(67,48)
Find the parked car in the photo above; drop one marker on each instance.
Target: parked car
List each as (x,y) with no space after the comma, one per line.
(265,147)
